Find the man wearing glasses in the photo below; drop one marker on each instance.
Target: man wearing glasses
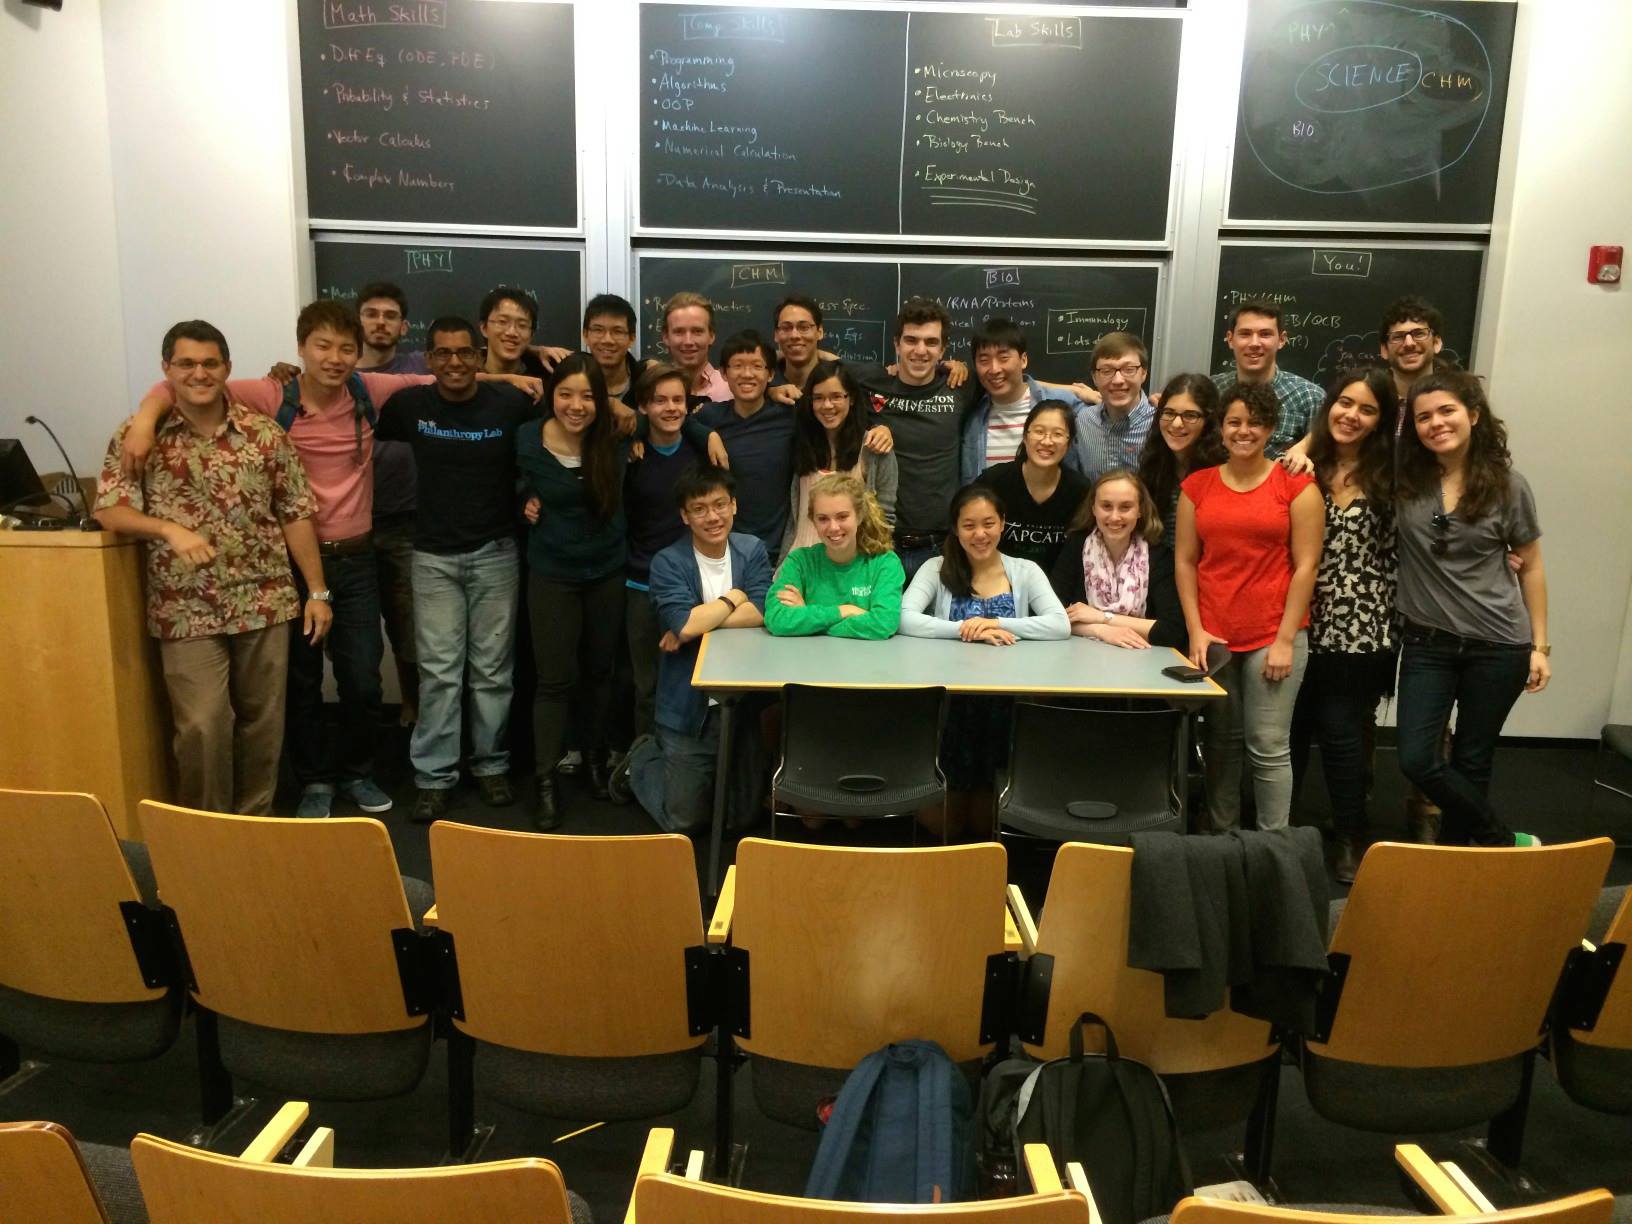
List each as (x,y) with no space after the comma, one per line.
(609,335)
(1112,432)
(1409,338)
(758,433)
(799,333)
(328,411)
(224,503)
(466,575)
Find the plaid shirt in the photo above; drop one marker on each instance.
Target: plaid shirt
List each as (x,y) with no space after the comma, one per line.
(1300,401)
(235,488)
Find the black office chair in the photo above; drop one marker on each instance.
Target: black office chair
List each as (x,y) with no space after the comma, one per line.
(859,753)
(1092,775)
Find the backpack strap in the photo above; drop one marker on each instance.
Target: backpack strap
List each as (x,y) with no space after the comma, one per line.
(289,409)
(843,1125)
(364,406)
(936,1158)
(1087,1018)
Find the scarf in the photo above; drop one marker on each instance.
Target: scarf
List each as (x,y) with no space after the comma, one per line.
(1116,588)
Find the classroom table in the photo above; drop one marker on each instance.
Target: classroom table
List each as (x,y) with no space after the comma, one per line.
(735,662)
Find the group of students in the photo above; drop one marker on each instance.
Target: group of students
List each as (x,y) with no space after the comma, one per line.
(1312,533)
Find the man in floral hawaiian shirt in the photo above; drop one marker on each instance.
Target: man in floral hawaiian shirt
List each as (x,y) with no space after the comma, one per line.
(224,503)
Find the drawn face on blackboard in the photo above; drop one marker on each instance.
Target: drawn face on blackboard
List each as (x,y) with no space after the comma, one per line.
(918,351)
(1255,339)
(1410,348)
(797,334)
(1002,372)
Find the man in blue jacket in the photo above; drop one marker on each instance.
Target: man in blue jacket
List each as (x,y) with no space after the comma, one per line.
(712,578)
(992,428)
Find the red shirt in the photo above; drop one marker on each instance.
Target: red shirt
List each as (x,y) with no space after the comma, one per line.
(1245,568)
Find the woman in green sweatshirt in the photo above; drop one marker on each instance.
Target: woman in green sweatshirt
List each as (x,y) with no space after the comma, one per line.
(850,584)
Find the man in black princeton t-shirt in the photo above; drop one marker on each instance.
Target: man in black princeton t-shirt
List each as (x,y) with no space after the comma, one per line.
(926,418)
(466,572)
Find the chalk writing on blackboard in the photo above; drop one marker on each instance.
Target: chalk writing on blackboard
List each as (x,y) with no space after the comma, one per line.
(429,259)
(1328,262)
(1037,32)
(1009,277)
(758,274)
(344,15)
(1351,96)
(1078,329)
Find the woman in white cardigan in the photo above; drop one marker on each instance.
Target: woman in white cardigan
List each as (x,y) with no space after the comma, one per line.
(973,592)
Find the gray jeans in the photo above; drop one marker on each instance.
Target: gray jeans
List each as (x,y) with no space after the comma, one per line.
(672,775)
(1255,715)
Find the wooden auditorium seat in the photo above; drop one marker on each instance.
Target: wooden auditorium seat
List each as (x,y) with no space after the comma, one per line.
(846,950)
(1594,1065)
(1216,1069)
(291,930)
(661,1197)
(186,1185)
(84,968)
(1445,959)
(571,955)
(47,1178)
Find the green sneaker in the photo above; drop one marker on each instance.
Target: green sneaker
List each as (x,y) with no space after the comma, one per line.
(1526,839)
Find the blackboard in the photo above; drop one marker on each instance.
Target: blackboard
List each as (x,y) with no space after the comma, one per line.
(1365,112)
(1063,307)
(1333,297)
(439,112)
(832,122)
(442,277)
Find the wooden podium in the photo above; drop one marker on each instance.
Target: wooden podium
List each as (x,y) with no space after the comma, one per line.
(87,709)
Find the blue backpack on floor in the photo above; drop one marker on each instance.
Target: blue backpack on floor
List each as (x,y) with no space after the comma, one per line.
(900,1131)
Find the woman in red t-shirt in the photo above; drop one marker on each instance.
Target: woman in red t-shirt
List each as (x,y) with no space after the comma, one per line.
(1246,553)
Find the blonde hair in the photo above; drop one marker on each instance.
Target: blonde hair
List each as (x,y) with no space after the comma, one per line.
(1150,522)
(682,300)
(873,535)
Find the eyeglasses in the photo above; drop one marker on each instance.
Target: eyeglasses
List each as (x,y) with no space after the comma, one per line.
(1048,435)
(1441,524)
(600,331)
(444,355)
(796,329)
(210,365)
(1189,416)
(831,400)
(1417,335)
(737,367)
(1129,370)
(516,326)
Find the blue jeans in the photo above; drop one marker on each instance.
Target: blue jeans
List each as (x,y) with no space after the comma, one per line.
(356,647)
(912,559)
(1336,719)
(672,775)
(1481,680)
(464,616)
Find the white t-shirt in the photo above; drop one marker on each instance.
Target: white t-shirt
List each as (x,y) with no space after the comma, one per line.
(716,576)
(1005,426)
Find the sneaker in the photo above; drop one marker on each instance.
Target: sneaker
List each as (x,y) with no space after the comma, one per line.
(571,763)
(495,789)
(429,805)
(617,784)
(1526,839)
(317,802)
(366,795)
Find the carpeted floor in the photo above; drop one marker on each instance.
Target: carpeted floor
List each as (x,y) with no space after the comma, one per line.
(1545,790)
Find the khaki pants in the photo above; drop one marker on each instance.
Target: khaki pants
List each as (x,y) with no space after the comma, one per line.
(227,702)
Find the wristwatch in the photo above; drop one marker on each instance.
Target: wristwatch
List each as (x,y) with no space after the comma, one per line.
(323,596)
(1545,651)
(1109,617)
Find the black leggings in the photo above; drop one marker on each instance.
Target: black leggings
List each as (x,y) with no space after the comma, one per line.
(575,628)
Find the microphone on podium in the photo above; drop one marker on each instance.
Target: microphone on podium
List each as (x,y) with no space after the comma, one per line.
(86,522)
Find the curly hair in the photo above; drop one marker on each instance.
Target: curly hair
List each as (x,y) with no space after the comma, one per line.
(1489,463)
(873,535)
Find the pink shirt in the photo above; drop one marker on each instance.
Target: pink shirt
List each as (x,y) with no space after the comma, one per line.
(340,471)
(711,384)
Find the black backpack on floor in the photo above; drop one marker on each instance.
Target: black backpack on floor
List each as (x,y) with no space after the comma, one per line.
(1109,1113)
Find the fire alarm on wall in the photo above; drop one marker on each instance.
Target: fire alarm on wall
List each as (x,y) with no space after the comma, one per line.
(1604,265)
